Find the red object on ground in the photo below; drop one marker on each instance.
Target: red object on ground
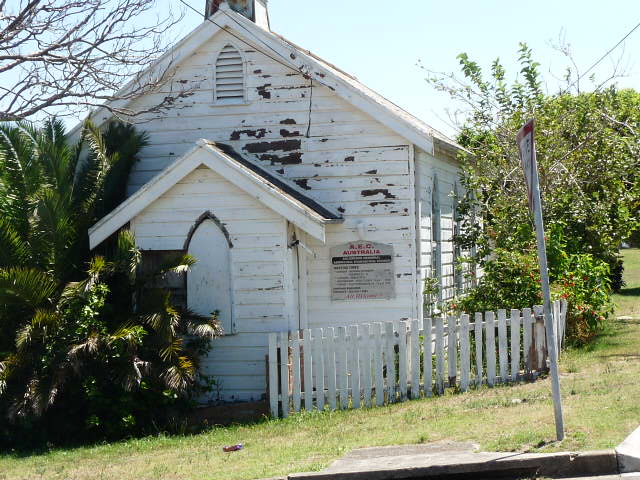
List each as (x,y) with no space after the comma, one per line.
(233,448)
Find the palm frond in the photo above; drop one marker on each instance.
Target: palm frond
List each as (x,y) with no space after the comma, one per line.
(126,255)
(201,326)
(14,251)
(43,323)
(172,350)
(180,377)
(26,287)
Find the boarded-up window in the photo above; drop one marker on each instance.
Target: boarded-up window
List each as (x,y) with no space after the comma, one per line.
(229,77)
(152,264)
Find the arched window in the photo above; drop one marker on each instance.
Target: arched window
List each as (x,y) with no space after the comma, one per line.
(229,77)
(209,287)
(436,237)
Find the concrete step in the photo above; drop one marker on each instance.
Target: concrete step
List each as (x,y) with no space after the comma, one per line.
(451,461)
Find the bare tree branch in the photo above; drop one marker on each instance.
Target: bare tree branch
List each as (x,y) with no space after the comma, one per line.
(65,56)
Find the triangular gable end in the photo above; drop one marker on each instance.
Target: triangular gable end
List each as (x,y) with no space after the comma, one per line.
(284,199)
(271,44)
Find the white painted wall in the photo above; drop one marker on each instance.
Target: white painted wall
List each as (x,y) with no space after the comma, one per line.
(257,261)
(447,174)
(339,155)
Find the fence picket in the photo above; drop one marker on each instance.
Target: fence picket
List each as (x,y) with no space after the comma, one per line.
(502,346)
(414,337)
(464,352)
(379,366)
(452,350)
(390,361)
(527,334)
(478,344)
(365,363)
(284,373)
(539,334)
(355,361)
(402,360)
(439,355)
(273,374)
(341,367)
(308,371)
(355,366)
(490,335)
(295,359)
(427,356)
(318,367)
(515,345)
(329,344)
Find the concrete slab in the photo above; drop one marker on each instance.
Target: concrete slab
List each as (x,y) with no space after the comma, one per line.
(448,460)
(628,453)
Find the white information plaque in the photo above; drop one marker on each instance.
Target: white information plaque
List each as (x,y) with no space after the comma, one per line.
(362,271)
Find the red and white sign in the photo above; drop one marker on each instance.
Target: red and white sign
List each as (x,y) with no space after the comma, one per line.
(526,143)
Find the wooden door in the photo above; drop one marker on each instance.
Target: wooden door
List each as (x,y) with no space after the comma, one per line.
(209,280)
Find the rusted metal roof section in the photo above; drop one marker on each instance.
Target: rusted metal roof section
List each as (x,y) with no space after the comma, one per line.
(279,183)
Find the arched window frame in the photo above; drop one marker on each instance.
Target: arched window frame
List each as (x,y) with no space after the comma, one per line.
(230,101)
(209,216)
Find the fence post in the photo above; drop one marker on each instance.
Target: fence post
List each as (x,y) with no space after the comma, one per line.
(329,342)
(295,357)
(415,359)
(478,339)
(402,360)
(502,346)
(490,334)
(527,336)
(427,357)
(284,373)
(379,366)
(540,338)
(318,367)
(341,367)
(308,371)
(390,361)
(515,345)
(452,350)
(464,352)
(365,363)
(439,355)
(355,365)
(273,374)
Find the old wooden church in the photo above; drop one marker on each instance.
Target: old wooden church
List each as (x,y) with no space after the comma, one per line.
(308,199)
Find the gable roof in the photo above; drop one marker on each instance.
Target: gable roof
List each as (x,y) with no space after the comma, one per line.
(344,85)
(274,192)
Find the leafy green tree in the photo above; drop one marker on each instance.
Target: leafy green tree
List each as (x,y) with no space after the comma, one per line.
(588,155)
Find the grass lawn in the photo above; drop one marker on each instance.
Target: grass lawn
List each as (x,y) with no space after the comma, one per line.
(600,392)
(628,300)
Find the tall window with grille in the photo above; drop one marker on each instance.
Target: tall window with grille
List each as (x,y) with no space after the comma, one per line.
(436,239)
(229,77)
(458,269)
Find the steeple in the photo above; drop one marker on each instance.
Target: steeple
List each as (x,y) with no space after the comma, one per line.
(255,10)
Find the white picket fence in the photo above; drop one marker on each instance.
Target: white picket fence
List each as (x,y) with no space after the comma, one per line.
(380,363)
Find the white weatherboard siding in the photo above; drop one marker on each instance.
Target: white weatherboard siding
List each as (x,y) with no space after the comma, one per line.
(447,173)
(340,156)
(350,162)
(258,271)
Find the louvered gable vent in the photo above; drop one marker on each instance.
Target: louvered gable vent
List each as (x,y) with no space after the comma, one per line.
(229,76)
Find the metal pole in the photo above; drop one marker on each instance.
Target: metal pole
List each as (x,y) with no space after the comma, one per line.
(548,314)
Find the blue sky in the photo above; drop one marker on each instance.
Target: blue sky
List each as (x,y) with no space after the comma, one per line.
(381,42)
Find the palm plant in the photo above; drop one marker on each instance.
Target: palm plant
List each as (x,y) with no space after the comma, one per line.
(82,334)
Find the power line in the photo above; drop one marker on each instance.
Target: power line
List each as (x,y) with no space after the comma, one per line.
(243,40)
(604,56)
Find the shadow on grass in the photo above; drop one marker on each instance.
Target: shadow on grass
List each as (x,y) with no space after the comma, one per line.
(630,292)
